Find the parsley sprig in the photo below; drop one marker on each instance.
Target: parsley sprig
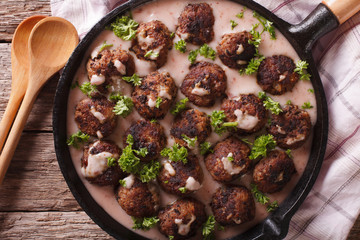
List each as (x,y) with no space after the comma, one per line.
(181,46)
(176,153)
(307,105)
(205,147)
(267,25)
(263,199)
(134,79)
(190,141)
(124,27)
(123,106)
(159,100)
(205,51)
(262,145)
(111,161)
(217,120)
(301,69)
(270,104)
(208,228)
(144,223)
(181,105)
(105,45)
(151,54)
(77,138)
(88,89)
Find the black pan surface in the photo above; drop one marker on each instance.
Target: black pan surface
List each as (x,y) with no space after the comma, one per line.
(302,36)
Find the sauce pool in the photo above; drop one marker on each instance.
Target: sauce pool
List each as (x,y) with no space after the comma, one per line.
(178,66)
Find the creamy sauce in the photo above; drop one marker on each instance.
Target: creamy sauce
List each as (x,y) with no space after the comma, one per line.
(192,184)
(178,66)
(245,120)
(129,181)
(184,229)
(229,166)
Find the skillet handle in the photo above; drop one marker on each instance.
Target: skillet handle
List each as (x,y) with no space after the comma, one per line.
(343,9)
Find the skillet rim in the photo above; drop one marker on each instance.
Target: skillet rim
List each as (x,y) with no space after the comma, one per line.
(276,225)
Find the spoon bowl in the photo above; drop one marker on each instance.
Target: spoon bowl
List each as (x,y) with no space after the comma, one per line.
(20,73)
(51,43)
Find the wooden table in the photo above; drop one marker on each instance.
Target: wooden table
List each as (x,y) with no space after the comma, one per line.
(35,201)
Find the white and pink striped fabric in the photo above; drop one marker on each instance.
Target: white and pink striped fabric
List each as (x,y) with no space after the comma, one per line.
(333,204)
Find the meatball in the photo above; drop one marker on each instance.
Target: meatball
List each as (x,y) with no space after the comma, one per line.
(248,111)
(108,67)
(182,219)
(138,199)
(235,51)
(149,135)
(179,178)
(191,123)
(195,24)
(204,84)
(290,128)
(155,87)
(233,205)
(152,42)
(273,172)
(94,163)
(229,160)
(276,74)
(95,117)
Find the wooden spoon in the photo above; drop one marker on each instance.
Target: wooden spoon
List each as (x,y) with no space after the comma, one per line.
(20,73)
(51,43)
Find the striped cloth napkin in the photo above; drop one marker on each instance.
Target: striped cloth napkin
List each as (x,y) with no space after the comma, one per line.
(333,204)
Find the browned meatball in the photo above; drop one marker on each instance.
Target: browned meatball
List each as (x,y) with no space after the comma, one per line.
(94,163)
(291,128)
(229,160)
(182,219)
(191,123)
(95,117)
(195,24)
(153,87)
(138,199)
(248,111)
(149,135)
(235,51)
(179,178)
(152,42)
(276,74)
(109,66)
(273,172)
(233,205)
(204,84)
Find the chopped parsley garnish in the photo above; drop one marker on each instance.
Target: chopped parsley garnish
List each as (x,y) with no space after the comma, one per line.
(190,141)
(288,102)
(183,189)
(77,138)
(230,158)
(151,54)
(259,196)
(233,24)
(241,14)
(205,147)
(134,79)
(144,223)
(256,37)
(270,104)
(124,27)
(252,66)
(105,45)
(262,144)
(122,182)
(153,121)
(87,88)
(272,206)
(204,51)
(176,153)
(111,161)
(267,25)
(74,85)
(208,228)
(310,90)
(172,35)
(180,46)
(181,105)
(128,161)
(307,105)
(158,102)
(246,141)
(288,152)
(171,237)
(301,69)
(217,119)
(149,171)
(123,106)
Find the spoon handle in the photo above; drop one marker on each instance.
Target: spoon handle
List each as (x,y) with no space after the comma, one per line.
(15,133)
(9,116)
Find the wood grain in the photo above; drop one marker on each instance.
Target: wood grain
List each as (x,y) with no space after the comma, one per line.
(35,202)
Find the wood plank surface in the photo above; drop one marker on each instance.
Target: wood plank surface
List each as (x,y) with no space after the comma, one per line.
(35,201)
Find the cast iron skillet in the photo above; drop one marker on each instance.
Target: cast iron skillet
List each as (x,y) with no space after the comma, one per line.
(302,37)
